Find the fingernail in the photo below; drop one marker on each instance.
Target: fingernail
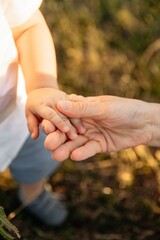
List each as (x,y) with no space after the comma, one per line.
(66,129)
(65,104)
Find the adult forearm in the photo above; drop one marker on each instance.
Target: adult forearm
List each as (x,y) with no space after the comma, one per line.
(37,55)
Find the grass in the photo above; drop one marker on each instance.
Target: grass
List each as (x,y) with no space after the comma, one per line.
(103,47)
(108,197)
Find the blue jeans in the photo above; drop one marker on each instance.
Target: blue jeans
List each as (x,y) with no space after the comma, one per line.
(33,162)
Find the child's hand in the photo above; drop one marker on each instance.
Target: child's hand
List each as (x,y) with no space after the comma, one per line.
(41,104)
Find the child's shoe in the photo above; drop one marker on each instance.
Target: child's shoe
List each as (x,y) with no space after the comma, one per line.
(47,208)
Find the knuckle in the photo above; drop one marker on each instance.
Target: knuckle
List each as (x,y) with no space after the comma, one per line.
(72,97)
(63,118)
(83,107)
(51,115)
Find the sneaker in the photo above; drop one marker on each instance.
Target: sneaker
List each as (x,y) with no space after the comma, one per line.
(47,208)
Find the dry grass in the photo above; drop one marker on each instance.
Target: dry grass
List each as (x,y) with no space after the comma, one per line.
(104,47)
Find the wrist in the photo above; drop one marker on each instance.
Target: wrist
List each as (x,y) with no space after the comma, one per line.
(153,111)
(43,81)
(47,93)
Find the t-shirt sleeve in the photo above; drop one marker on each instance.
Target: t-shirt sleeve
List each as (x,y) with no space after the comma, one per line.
(19,11)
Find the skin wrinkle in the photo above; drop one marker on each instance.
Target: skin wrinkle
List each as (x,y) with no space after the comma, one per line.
(106,140)
(100,131)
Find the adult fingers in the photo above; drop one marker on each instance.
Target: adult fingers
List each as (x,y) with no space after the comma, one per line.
(54,140)
(82,109)
(63,151)
(89,149)
(75,98)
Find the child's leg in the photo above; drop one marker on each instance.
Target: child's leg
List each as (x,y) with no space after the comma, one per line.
(31,168)
(29,192)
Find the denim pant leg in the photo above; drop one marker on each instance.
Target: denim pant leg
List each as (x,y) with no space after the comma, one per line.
(33,162)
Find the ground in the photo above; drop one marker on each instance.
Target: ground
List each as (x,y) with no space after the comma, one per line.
(103,47)
(109,197)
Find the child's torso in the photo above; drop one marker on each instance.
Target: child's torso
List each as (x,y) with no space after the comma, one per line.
(8,67)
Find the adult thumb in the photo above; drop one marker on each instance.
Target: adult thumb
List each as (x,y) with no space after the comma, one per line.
(82,109)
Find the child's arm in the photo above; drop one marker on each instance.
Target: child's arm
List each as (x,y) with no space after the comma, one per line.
(37,58)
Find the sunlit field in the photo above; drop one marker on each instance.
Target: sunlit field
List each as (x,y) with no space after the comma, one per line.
(103,47)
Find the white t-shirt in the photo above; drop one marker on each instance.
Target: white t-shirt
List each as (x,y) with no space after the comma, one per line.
(13,128)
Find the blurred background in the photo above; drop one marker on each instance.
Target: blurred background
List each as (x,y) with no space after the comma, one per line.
(103,47)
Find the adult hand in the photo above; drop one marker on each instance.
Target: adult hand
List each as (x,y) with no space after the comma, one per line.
(111,123)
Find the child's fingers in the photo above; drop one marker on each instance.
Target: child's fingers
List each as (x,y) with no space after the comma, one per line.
(51,115)
(47,126)
(63,151)
(72,133)
(60,121)
(33,125)
(77,123)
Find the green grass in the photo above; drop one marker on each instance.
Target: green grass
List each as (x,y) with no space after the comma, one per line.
(104,47)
